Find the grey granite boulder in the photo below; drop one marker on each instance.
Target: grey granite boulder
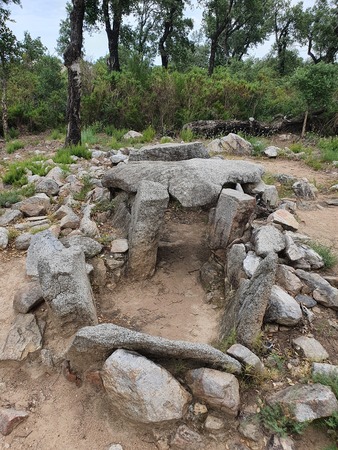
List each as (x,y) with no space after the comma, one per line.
(23,241)
(306,402)
(304,189)
(252,363)
(219,390)
(66,288)
(310,348)
(92,345)
(47,186)
(310,259)
(268,239)
(271,151)
(195,182)
(143,391)
(328,370)
(233,213)
(236,145)
(28,297)
(42,244)
(10,216)
(23,338)
(322,291)
(146,219)
(282,308)
(89,246)
(38,205)
(169,152)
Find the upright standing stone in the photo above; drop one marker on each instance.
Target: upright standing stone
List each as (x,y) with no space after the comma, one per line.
(66,288)
(233,212)
(146,219)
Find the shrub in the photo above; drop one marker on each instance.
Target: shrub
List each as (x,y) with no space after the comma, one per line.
(15,195)
(187,135)
(56,135)
(11,147)
(329,149)
(280,421)
(166,140)
(16,173)
(148,134)
(88,136)
(329,258)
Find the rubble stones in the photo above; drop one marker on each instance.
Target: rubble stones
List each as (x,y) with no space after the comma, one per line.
(169,152)
(321,290)
(219,390)
(143,391)
(23,338)
(89,246)
(10,418)
(27,297)
(311,348)
(146,219)
(284,218)
(306,402)
(268,239)
(234,211)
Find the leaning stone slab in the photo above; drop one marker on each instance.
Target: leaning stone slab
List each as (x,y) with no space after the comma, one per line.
(328,370)
(10,418)
(146,220)
(41,244)
(195,182)
(66,288)
(253,300)
(233,213)
(23,338)
(251,361)
(91,346)
(284,218)
(310,348)
(89,246)
(306,402)
(27,297)
(282,308)
(219,390)
(236,145)
(268,239)
(10,216)
(288,280)
(143,391)
(235,259)
(4,237)
(322,291)
(169,152)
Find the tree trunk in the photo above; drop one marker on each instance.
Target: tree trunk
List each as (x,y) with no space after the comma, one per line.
(304,124)
(113,36)
(4,108)
(168,28)
(212,57)
(72,58)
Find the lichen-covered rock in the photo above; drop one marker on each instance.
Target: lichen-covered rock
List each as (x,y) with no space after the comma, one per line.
(143,391)
(169,152)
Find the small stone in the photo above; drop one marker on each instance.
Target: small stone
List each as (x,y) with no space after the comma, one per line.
(250,263)
(324,369)
(23,241)
(251,361)
(115,447)
(4,236)
(119,246)
(304,189)
(287,279)
(38,205)
(213,423)
(311,348)
(47,186)
(271,151)
(282,308)
(249,428)
(132,135)
(9,419)
(10,216)
(280,443)
(284,218)
(268,239)
(186,439)
(306,300)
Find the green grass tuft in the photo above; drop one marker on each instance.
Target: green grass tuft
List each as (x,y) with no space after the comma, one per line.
(329,258)
(9,197)
(280,421)
(12,146)
(88,136)
(329,149)
(17,172)
(187,135)
(64,155)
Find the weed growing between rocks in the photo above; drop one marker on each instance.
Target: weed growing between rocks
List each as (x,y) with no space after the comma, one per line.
(329,258)
(64,155)
(280,421)
(86,187)
(17,173)
(11,147)
(329,149)
(15,195)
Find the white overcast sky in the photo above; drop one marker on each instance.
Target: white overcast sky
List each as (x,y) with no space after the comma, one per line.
(41,18)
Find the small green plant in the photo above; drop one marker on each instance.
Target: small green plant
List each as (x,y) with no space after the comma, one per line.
(148,134)
(104,206)
(165,140)
(297,147)
(327,380)
(13,234)
(227,342)
(56,135)
(313,162)
(16,173)
(88,136)
(329,149)
(86,187)
(64,155)
(9,197)
(12,146)
(258,145)
(187,135)
(280,420)
(329,258)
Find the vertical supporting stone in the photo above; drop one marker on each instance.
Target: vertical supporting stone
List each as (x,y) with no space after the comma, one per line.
(233,212)
(146,220)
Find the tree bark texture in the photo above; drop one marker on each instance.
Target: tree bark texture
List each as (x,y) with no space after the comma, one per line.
(113,36)
(4,108)
(72,58)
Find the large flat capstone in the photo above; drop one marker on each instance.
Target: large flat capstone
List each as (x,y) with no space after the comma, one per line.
(169,152)
(195,182)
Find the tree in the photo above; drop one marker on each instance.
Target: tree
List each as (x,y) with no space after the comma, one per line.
(9,51)
(317,84)
(72,57)
(232,26)
(318,29)
(285,20)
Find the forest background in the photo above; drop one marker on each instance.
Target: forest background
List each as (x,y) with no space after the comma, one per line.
(159,73)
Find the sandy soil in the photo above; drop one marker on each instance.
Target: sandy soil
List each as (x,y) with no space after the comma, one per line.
(171,304)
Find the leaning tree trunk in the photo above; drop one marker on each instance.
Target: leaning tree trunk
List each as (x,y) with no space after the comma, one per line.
(72,59)
(4,107)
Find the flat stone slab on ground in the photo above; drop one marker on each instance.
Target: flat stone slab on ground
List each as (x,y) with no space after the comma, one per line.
(195,182)
(306,402)
(311,348)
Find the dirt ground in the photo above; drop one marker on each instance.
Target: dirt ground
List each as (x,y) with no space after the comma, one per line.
(172,304)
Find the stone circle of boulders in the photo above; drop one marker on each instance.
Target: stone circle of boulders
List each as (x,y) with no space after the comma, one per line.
(261,269)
